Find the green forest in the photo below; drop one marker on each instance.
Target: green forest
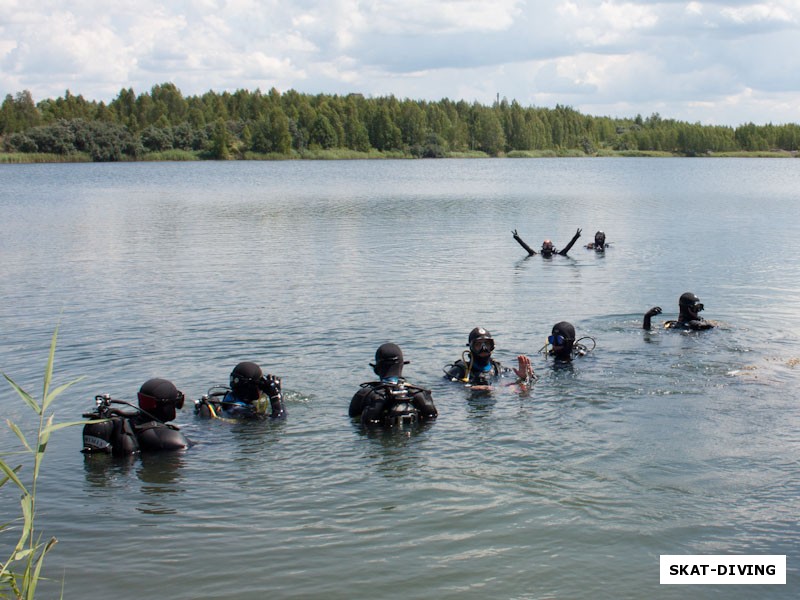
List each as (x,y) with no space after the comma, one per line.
(164,124)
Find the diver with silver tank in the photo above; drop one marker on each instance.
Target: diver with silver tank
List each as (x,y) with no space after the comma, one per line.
(392,400)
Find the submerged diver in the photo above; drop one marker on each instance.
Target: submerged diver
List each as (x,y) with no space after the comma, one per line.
(562,345)
(599,243)
(689,307)
(248,396)
(144,429)
(391,401)
(477,368)
(548,249)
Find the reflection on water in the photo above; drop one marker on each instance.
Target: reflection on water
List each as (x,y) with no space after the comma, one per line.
(393,452)
(159,475)
(658,442)
(102,470)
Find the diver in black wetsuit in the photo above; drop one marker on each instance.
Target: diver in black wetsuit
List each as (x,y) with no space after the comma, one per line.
(689,307)
(144,429)
(599,243)
(548,249)
(391,401)
(562,345)
(246,398)
(477,368)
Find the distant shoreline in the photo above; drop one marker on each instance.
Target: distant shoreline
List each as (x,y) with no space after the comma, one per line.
(345,154)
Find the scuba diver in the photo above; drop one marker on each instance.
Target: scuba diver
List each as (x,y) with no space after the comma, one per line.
(548,249)
(143,429)
(689,307)
(478,369)
(391,401)
(249,395)
(562,345)
(599,243)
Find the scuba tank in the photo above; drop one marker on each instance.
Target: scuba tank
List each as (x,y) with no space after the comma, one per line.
(122,433)
(401,411)
(114,434)
(390,405)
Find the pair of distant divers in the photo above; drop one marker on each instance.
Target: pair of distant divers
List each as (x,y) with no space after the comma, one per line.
(548,249)
(146,428)
(478,369)
(389,401)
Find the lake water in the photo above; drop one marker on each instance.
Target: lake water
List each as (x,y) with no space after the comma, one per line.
(656,443)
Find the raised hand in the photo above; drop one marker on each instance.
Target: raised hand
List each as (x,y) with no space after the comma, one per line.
(656,310)
(524,370)
(271,384)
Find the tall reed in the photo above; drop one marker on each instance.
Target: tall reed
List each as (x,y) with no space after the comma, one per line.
(20,574)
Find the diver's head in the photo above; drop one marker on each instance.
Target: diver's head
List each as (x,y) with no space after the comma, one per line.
(689,306)
(481,344)
(599,239)
(160,398)
(562,339)
(548,249)
(245,381)
(388,361)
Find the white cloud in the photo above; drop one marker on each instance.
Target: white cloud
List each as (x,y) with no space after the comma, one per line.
(698,59)
(758,13)
(419,17)
(612,23)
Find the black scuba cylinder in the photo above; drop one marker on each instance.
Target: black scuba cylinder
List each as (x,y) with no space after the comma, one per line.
(97,437)
(114,436)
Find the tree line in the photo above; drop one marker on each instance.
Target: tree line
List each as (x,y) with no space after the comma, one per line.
(273,124)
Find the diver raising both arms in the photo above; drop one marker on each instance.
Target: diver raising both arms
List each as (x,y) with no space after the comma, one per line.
(548,249)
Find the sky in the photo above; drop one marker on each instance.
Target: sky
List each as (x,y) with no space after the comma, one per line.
(722,62)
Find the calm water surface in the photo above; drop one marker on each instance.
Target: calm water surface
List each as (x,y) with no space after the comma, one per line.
(657,443)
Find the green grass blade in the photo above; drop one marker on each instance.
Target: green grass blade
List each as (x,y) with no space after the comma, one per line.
(37,571)
(29,400)
(22,554)
(6,479)
(44,437)
(52,395)
(12,475)
(51,428)
(27,526)
(48,371)
(19,433)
